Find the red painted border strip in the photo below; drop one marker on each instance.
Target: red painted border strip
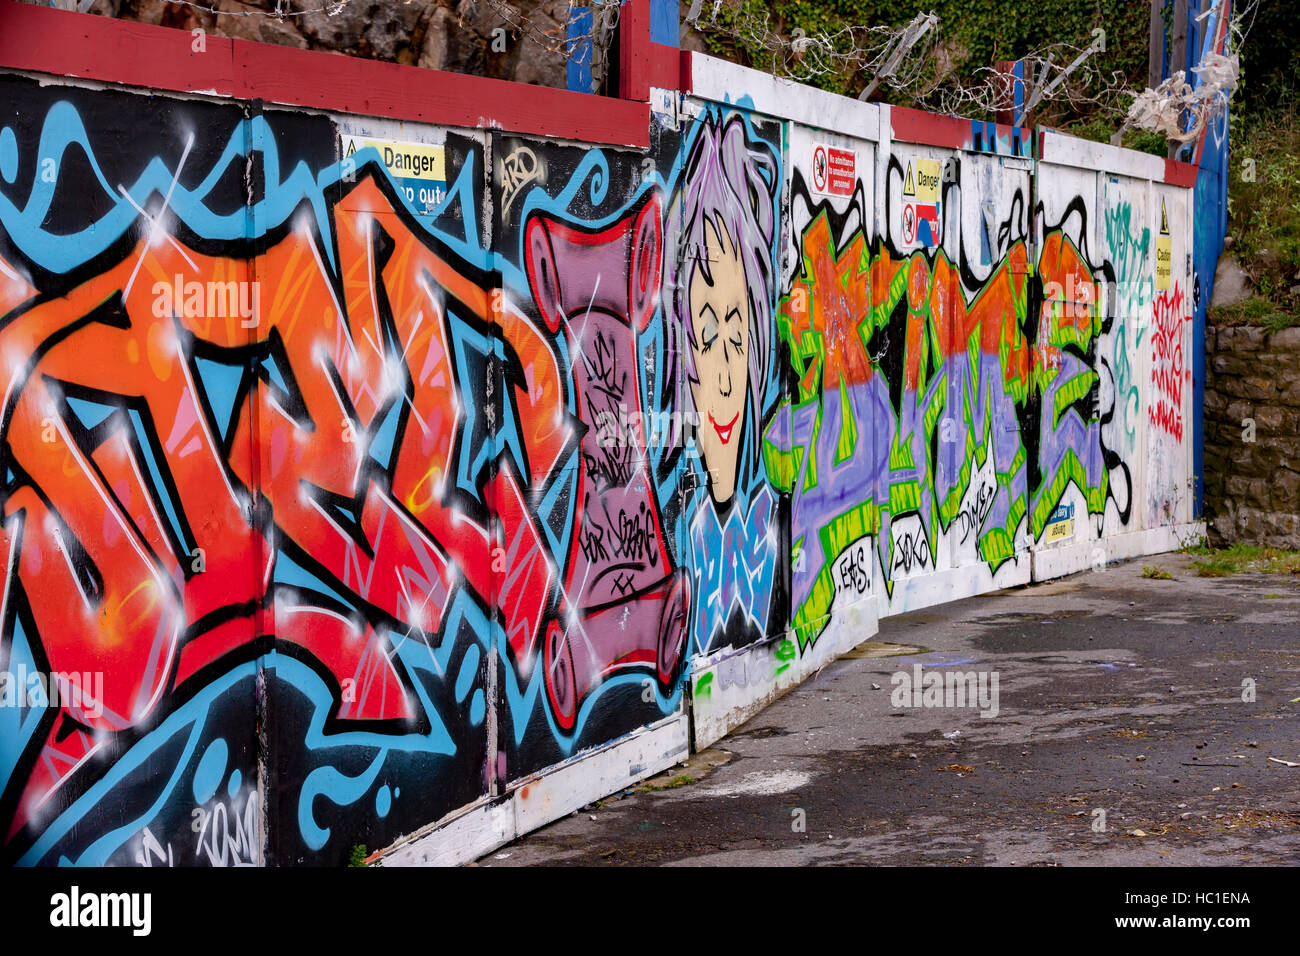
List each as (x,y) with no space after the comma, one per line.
(665,66)
(642,62)
(58,42)
(952,132)
(687,82)
(634,50)
(1178,173)
(930,129)
(46,40)
(331,81)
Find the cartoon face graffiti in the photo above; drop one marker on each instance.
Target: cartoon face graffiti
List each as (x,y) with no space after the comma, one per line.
(720,278)
(720,350)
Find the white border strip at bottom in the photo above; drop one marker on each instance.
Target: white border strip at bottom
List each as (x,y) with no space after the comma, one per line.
(546,796)
(1069,559)
(1036,564)
(954,584)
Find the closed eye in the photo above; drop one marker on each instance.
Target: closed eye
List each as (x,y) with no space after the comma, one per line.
(737,334)
(709,334)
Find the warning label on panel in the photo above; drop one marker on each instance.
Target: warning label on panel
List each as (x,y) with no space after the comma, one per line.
(1164,252)
(834,171)
(920,223)
(419,170)
(927,180)
(1060,525)
(1059,531)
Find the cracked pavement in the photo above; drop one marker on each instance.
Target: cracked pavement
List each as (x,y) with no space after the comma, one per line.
(1118,693)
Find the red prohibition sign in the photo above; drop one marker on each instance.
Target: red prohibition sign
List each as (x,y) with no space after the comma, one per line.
(819,168)
(909,222)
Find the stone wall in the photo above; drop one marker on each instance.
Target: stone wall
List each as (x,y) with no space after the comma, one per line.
(1252,436)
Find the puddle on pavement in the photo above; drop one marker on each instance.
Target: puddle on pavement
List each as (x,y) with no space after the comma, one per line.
(1112,665)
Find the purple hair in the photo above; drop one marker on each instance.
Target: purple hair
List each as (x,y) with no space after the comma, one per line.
(728,182)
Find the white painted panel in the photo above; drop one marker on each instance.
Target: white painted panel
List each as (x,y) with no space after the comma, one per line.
(1128,246)
(1168,359)
(1061,149)
(724,82)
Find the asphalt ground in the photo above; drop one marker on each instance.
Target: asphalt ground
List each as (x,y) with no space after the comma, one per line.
(1125,734)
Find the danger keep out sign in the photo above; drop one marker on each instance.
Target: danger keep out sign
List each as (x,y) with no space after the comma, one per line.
(921,202)
(417,169)
(834,170)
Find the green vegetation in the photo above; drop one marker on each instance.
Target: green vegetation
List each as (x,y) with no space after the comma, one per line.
(672,784)
(1264,193)
(1271,59)
(1264,213)
(973,34)
(1256,311)
(1242,558)
(1100,128)
(358,855)
(1157,573)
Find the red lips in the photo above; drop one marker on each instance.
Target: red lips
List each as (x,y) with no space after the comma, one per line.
(724,431)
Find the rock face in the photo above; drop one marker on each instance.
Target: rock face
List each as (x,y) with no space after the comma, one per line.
(1252,436)
(1231,284)
(482,38)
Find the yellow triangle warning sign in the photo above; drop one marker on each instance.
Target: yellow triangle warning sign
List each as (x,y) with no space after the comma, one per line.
(352,148)
(909,184)
(1164,219)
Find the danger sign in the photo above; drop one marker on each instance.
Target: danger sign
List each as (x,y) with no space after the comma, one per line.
(834,171)
(419,170)
(927,180)
(921,202)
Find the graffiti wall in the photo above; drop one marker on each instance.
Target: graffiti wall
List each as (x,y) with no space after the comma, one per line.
(907,332)
(357,472)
